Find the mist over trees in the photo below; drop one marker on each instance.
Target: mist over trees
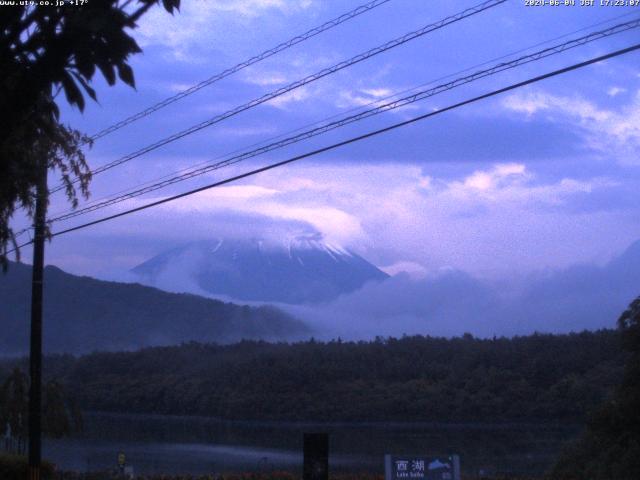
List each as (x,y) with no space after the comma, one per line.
(83,314)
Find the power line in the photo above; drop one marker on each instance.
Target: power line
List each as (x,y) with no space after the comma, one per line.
(378,101)
(21,232)
(299,83)
(240,66)
(421,95)
(272,166)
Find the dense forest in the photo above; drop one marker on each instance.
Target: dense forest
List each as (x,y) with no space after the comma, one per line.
(610,446)
(464,379)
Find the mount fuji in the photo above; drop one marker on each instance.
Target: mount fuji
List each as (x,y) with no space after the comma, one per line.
(297,270)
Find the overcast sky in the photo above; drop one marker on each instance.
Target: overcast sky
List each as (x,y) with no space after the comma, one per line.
(541,178)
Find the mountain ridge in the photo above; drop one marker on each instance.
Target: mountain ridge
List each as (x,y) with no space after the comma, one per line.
(83,314)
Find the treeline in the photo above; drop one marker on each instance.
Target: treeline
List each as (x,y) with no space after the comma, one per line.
(610,445)
(465,379)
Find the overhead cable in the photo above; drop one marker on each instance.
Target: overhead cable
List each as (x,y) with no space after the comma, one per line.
(384,107)
(299,83)
(377,101)
(358,138)
(240,66)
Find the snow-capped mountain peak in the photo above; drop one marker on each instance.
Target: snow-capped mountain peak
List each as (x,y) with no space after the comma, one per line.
(294,269)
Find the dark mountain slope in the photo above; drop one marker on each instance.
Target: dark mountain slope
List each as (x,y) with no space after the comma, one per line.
(82,314)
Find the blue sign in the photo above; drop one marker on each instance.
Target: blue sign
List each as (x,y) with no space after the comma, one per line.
(421,467)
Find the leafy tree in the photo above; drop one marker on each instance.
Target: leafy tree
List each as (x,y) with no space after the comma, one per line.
(22,153)
(45,50)
(610,446)
(61,416)
(14,405)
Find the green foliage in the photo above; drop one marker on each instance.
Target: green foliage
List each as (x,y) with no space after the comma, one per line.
(629,325)
(610,446)
(14,408)
(23,150)
(60,415)
(45,50)
(533,378)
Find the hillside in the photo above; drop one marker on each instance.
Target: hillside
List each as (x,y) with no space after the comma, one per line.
(82,314)
(538,377)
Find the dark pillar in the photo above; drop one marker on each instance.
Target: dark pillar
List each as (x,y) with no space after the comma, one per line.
(316,456)
(35,354)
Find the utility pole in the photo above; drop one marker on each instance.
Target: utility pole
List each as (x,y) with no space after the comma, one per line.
(35,353)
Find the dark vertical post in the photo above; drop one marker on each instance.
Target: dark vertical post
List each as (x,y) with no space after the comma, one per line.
(35,353)
(316,456)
